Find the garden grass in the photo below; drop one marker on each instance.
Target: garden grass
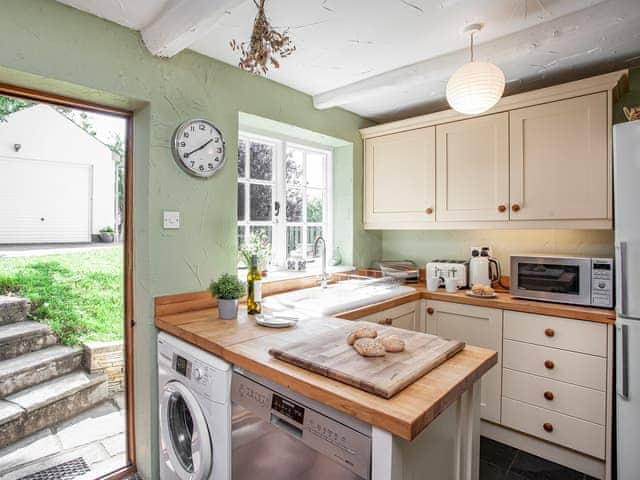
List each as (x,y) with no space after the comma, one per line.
(80,294)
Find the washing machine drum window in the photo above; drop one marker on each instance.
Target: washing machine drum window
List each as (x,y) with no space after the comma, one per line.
(186,435)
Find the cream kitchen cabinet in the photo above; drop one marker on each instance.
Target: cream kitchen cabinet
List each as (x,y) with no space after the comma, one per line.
(479,326)
(400,182)
(560,160)
(405,316)
(472,164)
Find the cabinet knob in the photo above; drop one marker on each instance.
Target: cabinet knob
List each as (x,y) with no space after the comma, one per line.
(502,208)
(549,332)
(515,207)
(548,395)
(549,364)
(388,321)
(430,311)
(548,427)
(429,211)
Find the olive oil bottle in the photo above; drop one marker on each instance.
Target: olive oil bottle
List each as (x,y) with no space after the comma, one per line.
(254,283)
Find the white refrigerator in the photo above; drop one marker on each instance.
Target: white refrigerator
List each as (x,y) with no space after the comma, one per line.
(626,161)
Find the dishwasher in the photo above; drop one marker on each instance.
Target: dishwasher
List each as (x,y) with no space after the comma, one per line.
(277,434)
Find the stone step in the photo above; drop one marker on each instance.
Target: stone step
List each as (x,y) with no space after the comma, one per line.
(48,404)
(13,309)
(24,337)
(36,367)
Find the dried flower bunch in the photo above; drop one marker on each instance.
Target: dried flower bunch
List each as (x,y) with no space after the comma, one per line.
(258,55)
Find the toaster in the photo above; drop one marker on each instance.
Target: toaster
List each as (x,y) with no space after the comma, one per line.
(443,269)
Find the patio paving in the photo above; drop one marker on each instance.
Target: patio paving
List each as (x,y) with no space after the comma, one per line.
(42,249)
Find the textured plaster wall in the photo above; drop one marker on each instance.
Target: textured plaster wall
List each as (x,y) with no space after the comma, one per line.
(52,47)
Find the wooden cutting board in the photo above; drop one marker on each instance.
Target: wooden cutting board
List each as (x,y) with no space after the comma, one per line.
(328,354)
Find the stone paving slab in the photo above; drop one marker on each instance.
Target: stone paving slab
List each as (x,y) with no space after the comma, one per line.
(92,430)
(115,445)
(9,411)
(35,447)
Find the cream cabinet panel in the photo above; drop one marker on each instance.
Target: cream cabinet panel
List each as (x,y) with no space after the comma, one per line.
(477,326)
(472,161)
(560,162)
(405,316)
(400,185)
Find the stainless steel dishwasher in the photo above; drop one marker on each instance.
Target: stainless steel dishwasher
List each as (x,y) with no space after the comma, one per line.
(278,434)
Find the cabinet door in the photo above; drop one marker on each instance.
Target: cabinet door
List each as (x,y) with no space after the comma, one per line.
(400,179)
(477,326)
(560,164)
(472,162)
(405,316)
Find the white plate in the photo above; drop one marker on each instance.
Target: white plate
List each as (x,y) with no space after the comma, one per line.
(274,322)
(471,294)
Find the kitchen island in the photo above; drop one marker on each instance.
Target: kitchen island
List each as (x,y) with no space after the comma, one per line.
(431,427)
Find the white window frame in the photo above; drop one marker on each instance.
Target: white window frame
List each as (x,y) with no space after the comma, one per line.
(279,193)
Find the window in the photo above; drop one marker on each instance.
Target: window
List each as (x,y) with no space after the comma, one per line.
(284,193)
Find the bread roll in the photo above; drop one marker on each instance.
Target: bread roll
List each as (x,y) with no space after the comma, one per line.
(393,343)
(488,291)
(369,347)
(478,288)
(364,332)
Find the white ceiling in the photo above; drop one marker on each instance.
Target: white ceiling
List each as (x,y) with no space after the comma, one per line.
(387,59)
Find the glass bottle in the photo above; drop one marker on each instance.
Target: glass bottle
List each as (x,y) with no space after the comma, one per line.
(254,283)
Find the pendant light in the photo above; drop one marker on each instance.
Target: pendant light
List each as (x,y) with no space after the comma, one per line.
(476,86)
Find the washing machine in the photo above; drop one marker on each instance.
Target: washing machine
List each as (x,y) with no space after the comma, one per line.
(195,412)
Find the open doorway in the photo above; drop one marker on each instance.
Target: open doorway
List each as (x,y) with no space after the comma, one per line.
(65,289)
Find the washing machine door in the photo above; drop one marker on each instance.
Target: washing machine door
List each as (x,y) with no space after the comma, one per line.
(186,441)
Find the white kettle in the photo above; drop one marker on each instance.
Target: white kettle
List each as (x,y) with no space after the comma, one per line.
(480,268)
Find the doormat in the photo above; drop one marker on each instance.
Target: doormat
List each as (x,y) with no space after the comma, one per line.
(64,471)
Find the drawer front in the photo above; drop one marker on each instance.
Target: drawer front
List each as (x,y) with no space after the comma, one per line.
(583,403)
(575,335)
(571,367)
(567,431)
(402,316)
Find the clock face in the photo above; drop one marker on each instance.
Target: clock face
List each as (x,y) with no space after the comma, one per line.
(198,148)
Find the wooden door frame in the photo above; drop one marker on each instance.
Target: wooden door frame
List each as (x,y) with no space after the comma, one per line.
(127,115)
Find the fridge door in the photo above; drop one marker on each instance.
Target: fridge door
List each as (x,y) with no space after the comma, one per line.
(626,158)
(628,397)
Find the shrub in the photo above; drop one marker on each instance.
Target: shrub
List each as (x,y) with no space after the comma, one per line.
(227,287)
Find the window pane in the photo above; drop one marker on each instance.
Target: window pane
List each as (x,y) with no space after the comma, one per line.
(241,199)
(294,205)
(260,202)
(312,234)
(294,241)
(241,238)
(314,206)
(242,158)
(261,161)
(294,166)
(315,169)
(264,231)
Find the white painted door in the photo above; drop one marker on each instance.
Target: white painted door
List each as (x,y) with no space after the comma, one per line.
(478,326)
(44,202)
(400,184)
(472,161)
(560,160)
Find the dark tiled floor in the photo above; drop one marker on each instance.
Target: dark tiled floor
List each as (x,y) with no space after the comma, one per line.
(502,462)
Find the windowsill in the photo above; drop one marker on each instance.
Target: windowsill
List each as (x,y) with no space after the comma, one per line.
(276,275)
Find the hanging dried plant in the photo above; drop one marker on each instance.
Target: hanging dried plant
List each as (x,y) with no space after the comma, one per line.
(258,55)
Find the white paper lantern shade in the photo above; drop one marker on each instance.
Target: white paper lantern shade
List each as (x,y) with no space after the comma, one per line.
(475,87)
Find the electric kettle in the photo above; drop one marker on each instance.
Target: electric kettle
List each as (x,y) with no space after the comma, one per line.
(483,270)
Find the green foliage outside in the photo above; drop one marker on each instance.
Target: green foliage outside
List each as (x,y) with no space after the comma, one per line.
(314,210)
(9,105)
(227,287)
(80,295)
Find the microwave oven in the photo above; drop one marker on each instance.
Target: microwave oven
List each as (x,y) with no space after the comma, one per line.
(554,278)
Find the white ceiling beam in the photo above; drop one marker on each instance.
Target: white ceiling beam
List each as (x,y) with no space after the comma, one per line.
(183,23)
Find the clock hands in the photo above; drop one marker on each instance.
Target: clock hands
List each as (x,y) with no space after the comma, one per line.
(188,154)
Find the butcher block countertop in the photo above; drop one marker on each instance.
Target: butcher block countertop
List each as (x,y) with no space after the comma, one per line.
(245,344)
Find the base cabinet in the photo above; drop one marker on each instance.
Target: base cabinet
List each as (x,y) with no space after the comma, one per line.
(405,316)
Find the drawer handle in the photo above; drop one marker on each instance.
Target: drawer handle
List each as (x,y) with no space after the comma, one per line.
(386,321)
(548,395)
(548,427)
(549,332)
(430,311)
(515,207)
(429,211)
(549,364)
(502,208)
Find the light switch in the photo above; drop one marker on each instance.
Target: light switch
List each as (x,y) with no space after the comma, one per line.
(171,220)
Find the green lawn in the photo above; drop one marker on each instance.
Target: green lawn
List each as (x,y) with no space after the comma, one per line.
(79,294)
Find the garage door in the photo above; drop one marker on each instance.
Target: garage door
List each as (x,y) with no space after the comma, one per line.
(44,202)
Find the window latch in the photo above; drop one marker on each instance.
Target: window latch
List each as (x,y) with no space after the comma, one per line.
(276,207)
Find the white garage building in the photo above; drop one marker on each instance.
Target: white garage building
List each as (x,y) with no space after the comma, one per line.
(57,182)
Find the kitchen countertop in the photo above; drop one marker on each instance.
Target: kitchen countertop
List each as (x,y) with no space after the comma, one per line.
(246,344)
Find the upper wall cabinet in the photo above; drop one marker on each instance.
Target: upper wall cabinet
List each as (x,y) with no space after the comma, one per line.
(400,183)
(560,167)
(540,159)
(472,164)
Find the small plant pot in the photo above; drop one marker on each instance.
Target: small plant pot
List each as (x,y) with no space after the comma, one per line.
(227,309)
(106,237)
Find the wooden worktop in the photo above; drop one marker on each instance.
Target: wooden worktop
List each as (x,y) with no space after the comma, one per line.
(245,344)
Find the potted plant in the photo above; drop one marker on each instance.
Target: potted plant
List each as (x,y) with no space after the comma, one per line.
(106,234)
(258,245)
(227,289)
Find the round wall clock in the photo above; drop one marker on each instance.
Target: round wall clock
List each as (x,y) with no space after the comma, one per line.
(198,147)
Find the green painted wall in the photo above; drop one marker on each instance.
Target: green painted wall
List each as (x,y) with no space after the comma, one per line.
(56,48)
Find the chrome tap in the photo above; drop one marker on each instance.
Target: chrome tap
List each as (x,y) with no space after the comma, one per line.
(324,279)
